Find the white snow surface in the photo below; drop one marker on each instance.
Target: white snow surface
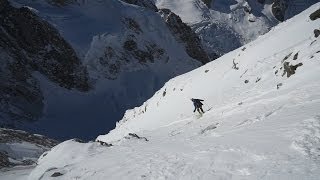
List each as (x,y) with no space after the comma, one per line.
(251,130)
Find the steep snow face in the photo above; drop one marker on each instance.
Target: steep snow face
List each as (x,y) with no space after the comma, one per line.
(261,122)
(263,68)
(224,25)
(129,53)
(141,41)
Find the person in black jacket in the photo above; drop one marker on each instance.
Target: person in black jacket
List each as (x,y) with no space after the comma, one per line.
(197,105)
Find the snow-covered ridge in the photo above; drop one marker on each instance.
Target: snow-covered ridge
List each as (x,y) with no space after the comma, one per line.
(260,63)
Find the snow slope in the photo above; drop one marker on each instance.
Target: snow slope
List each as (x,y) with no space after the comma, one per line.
(267,128)
(223,87)
(122,76)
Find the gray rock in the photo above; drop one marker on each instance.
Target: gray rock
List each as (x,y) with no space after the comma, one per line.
(295,57)
(133,135)
(56,174)
(315,15)
(279,8)
(4,160)
(12,136)
(290,69)
(316,33)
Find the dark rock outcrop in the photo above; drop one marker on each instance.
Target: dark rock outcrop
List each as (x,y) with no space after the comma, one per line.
(184,34)
(133,135)
(279,8)
(315,15)
(4,160)
(316,33)
(56,174)
(29,44)
(14,136)
(44,49)
(290,69)
(9,136)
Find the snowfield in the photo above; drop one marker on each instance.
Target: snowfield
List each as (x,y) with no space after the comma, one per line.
(262,120)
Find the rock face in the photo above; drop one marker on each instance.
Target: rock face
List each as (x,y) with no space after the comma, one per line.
(184,34)
(126,54)
(283,9)
(22,147)
(315,15)
(279,8)
(143,3)
(29,44)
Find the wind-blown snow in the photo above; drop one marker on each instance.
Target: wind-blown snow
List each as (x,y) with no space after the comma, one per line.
(267,128)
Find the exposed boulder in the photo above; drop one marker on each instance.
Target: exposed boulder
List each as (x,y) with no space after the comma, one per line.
(184,34)
(316,33)
(315,15)
(290,69)
(56,174)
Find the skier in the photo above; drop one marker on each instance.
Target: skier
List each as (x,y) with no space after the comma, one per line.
(197,105)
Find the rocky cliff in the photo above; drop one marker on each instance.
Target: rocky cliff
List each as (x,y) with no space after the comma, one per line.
(184,34)
(29,44)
